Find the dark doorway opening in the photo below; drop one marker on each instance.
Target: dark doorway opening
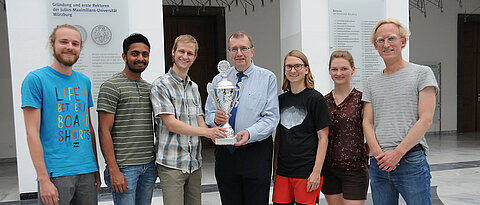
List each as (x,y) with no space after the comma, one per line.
(207,25)
(468,84)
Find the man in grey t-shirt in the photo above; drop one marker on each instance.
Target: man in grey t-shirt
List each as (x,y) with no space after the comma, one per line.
(399,108)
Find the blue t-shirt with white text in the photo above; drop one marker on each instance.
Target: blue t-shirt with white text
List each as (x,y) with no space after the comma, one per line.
(64,101)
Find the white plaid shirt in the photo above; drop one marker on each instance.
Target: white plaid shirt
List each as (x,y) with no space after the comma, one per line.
(171,95)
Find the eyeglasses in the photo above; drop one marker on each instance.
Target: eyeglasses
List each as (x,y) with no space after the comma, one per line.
(297,67)
(390,39)
(243,49)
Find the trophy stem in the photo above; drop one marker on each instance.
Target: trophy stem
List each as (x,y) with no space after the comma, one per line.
(230,139)
(230,132)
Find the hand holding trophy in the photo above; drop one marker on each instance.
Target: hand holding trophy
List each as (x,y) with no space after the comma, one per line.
(225,96)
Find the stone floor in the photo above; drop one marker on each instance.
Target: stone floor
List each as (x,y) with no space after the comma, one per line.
(454,159)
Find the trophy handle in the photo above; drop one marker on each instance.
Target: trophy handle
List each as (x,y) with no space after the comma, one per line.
(240,90)
(211,92)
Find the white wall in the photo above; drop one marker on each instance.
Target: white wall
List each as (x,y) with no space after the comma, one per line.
(146,17)
(315,41)
(290,26)
(28,42)
(434,40)
(7,139)
(304,26)
(290,31)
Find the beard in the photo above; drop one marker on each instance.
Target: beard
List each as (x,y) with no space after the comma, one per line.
(136,70)
(64,60)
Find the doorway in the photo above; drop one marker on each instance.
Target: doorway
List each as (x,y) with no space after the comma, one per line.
(468,100)
(207,25)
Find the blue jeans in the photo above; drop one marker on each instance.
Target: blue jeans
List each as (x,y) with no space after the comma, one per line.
(141,181)
(411,179)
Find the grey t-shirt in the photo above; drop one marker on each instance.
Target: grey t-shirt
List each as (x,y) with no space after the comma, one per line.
(395,103)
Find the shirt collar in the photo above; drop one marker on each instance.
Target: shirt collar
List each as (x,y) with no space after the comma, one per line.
(177,78)
(125,77)
(248,72)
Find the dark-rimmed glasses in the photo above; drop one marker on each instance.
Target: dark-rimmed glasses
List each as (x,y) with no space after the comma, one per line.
(297,67)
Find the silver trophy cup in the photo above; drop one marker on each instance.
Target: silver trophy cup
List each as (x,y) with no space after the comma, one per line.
(225,96)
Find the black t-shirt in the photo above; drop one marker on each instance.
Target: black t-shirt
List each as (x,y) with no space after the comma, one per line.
(301,116)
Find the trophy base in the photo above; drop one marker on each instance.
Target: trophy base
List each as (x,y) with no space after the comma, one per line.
(225,141)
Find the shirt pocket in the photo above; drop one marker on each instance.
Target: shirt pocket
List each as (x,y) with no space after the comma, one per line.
(175,106)
(192,105)
(254,101)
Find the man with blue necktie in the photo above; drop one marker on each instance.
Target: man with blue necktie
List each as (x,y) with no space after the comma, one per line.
(243,171)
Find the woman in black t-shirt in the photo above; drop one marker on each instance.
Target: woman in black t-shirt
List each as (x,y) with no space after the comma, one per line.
(302,135)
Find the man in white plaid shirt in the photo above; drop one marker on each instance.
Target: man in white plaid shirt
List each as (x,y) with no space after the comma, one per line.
(179,124)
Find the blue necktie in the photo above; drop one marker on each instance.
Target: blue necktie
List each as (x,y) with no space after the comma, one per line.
(231,120)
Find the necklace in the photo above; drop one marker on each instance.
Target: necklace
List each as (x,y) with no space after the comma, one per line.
(340,98)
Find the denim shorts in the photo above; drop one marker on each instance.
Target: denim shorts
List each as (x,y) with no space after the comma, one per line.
(411,179)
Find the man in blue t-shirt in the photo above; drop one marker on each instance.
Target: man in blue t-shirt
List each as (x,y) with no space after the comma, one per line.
(56,102)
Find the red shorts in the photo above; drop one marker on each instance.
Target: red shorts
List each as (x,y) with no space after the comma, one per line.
(286,190)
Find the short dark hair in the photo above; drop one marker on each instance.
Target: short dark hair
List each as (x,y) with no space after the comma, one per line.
(134,38)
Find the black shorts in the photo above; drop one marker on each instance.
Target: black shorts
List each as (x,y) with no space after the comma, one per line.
(352,183)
